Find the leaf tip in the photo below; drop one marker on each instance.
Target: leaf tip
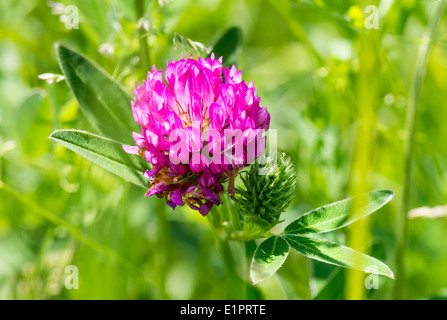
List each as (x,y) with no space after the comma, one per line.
(51,136)
(390,193)
(253,281)
(61,51)
(252,276)
(58,47)
(391,275)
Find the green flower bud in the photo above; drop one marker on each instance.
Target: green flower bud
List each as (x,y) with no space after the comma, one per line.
(269,189)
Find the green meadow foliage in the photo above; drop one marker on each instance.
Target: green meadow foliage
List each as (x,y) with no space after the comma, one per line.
(356,97)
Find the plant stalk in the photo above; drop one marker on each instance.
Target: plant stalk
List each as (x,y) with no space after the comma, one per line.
(297,29)
(218,216)
(411,123)
(163,243)
(145,64)
(240,247)
(363,151)
(163,235)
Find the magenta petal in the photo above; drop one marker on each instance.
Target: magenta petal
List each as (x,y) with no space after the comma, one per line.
(198,163)
(149,173)
(212,197)
(194,139)
(174,121)
(170,74)
(130,149)
(217,116)
(190,189)
(176,196)
(206,179)
(171,204)
(179,151)
(193,206)
(196,110)
(139,140)
(219,187)
(262,118)
(153,138)
(205,208)
(158,188)
(179,169)
(155,157)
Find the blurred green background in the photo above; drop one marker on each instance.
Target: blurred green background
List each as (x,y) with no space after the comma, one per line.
(338,94)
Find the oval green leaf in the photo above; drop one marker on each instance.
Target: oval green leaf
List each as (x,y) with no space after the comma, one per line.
(105,153)
(268,258)
(338,214)
(227,46)
(336,254)
(254,228)
(103,101)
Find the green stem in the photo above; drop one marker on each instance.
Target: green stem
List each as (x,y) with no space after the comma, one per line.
(163,237)
(235,218)
(234,283)
(411,121)
(366,99)
(144,47)
(297,29)
(163,245)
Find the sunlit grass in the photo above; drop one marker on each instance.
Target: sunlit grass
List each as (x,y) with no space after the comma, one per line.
(338,95)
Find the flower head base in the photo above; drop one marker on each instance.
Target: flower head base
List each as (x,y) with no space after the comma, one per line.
(268,194)
(200,124)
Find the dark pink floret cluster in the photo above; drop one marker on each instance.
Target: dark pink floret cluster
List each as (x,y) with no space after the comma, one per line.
(185,111)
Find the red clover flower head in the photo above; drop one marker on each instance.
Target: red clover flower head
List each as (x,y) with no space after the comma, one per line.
(200,124)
